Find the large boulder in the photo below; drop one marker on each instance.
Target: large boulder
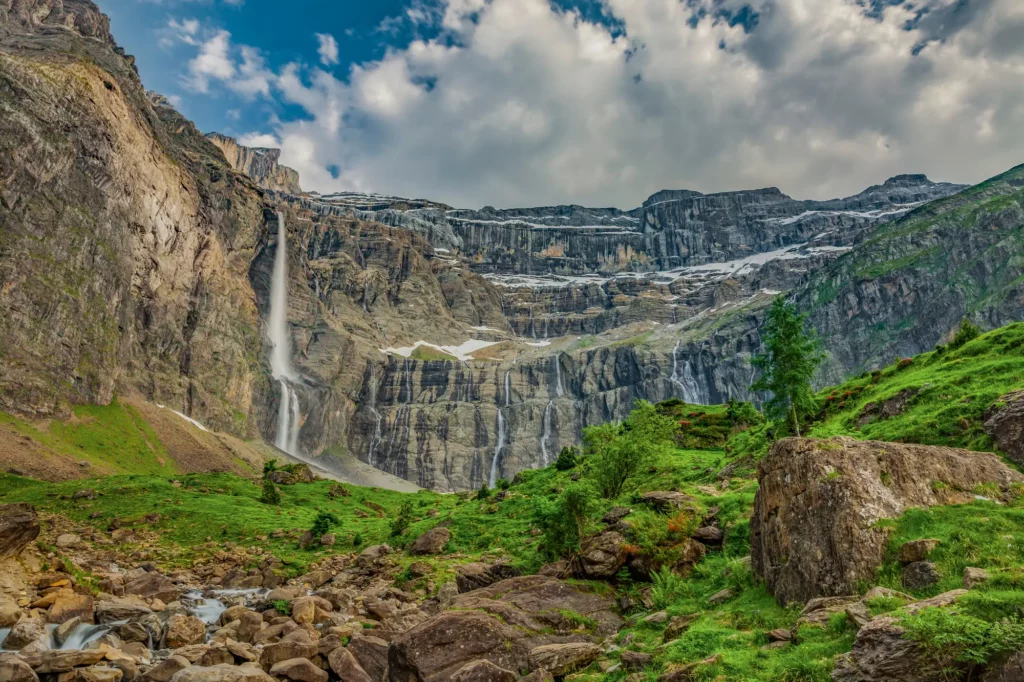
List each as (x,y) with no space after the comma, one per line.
(62,661)
(1004,422)
(184,630)
(19,525)
(298,670)
(153,585)
(436,649)
(222,673)
(113,609)
(431,542)
(469,577)
(371,653)
(346,667)
(881,654)
(814,529)
(562,659)
(70,605)
(13,669)
(602,556)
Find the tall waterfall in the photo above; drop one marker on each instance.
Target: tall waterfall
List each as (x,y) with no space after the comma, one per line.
(497,450)
(281,367)
(508,388)
(546,435)
(685,380)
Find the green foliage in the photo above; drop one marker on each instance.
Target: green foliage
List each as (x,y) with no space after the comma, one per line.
(953,637)
(967,333)
(567,458)
(615,453)
(483,493)
(792,357)
(503,484)
(667,587)
(323,523)
(401,522)
(283,607)
(707,427)
(565,521)
(271,495)
(357,540)
(269,467)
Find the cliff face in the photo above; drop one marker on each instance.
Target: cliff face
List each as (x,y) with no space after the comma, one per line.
(125,244)
(258,163)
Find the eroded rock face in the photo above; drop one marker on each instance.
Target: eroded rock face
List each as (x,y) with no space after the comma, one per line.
(1005,423)
(813,530)
(259,164)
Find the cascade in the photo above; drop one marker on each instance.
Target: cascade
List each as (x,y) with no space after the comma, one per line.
(546,435)
(497,450)
(377,436)
(559,391)
(281,367)
(508,388)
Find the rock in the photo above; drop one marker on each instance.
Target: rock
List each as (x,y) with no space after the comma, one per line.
(10,612)
(216,656)
(635,661)
(286,650)
(944,599)
(709,535)
(919,575)
(974,577)
(69,606)
(109,610)
(562,659)
(87,494)
(153,585)
(62,660)
(538,676)
(602,556)
(62,631)
(19,525)
(886,593)
(814,533)
(374,552)
(469,577)
(780,635)
(346,667)
(917,550)
(13,669)
(678,625)
(371,653)
(483,671)
(299,670)
(249,624)
(303,610)
(95,674)
(222,673)
(688,672)
(819,611)
(667,502)
(880,654)
(441,646)
(431,542)
(419,569)
(182,631)
(858,613)
(1005,668)
(23,633)
(721,596)
(1004,422)
(67,541)
(615,514)
(328,539)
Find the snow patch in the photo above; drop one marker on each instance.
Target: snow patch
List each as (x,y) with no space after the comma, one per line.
(190,420)
(461,352)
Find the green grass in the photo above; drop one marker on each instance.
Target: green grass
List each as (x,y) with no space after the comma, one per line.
(115,437)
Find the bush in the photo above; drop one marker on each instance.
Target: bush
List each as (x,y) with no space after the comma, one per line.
(357,540)
(615,453)
(503,484)
(401,522)
(667,587)
(567,459)
(967,333)
(269,467)
(483,493)
(565,522)
(271,495)
(322,524)
(283,607)
(955,637)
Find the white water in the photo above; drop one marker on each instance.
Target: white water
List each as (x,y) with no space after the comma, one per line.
(559,391)
(497,450)
(377,435)
(287,438)
(508,388)
(686,382)
(545,457)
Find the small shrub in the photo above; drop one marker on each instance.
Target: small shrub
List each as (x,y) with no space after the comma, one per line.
(567,459)
(904,363)
(283,607)
(338,490)
(618,452)
(503,484)
(322,523)
(967,333)
(955,637)
(269,467)
(271,495)
(483,493)
(357,540)
(667,587)
(565,522)
(401,522)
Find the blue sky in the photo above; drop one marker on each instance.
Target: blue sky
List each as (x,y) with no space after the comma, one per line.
(598,102)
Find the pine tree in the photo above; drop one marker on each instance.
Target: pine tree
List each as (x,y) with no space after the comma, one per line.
(792,356)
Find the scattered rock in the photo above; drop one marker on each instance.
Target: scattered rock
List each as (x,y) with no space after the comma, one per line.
(67,541)
(635,660)
(346,667)
(222,673)
(19,525)
(286,650)
(153,585)
(96,674)
(858,613)
(709,535)
(372,655)
(469,577)
(562,659)
(10,612)
(62,660)
(919,575)
(23,633)
(974,577)
(71,605)
(780,635)
(109,610)
(1004,422)
(328,540)
(616,514)
(431,542)
(917,550)
(678,625)
(815,534)
(299,670)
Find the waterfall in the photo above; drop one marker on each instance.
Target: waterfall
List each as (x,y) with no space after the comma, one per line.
(281,367)
(497,450)
(559,391)
(377,436)
(508,388)
(686,382)
(545,457)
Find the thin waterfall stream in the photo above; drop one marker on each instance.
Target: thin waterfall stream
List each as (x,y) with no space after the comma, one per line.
(281,367)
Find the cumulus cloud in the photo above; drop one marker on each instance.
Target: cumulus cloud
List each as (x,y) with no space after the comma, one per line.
(241,69)
(328,49)
(517,102)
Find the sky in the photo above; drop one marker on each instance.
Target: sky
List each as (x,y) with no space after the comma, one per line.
(595,102)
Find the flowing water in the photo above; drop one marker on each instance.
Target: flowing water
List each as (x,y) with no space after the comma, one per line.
(288,416)
(497,450)
(545,457)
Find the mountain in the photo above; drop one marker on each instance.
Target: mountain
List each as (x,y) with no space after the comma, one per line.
(446,346)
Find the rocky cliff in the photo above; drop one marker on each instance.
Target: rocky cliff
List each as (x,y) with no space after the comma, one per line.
(258,163)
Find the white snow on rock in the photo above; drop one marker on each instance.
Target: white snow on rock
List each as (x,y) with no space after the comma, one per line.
(462,352)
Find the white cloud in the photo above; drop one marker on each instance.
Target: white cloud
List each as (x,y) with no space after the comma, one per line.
(259,140)
(241,69)
(517,102)
(328,49)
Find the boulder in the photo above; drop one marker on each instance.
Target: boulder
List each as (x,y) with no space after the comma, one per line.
(62,660)
(469,577)
(814,529)
(19,525)
(153,585)
(10,612)
(709,535)
(602,556)
(635,661)
(182,631)
(346,667)
(880,654)
(917,550)
(222,673)
(669,501)
(371,653)
(298,670)
(287,650)
(919,575)
(1005,668)
(64,630)
(95,674)
(70,605)
(483,671)
(562,659)
(67,541)
(678,625)
(112,609)
(974,577)
(13,669)
(1004,422)
(431,542)
(543,676)
(436,649)
(24,632)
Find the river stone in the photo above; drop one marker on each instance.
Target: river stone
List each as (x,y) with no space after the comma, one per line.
(13,669)
(346,667)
